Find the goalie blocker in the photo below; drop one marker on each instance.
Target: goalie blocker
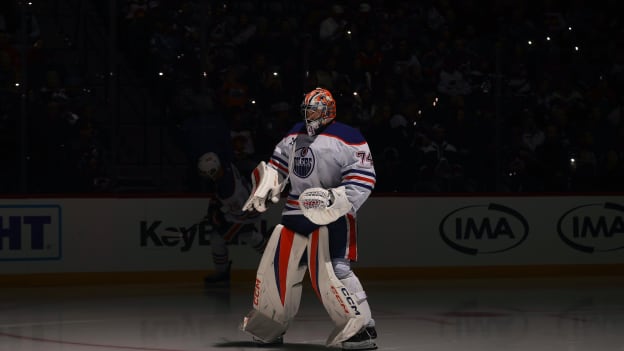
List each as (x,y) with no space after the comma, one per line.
(277,293)
(266,185)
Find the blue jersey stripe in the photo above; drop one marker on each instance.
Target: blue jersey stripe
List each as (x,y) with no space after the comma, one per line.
(369,187)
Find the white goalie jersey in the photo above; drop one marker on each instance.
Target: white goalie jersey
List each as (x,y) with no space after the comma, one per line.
(339,156)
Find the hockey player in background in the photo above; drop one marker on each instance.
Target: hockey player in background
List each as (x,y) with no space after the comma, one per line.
(330,172)
(229,222)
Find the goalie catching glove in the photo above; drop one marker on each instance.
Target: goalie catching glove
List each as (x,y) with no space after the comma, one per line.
(266,185)
(323,206)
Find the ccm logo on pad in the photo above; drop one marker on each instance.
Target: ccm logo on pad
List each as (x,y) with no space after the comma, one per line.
(347,297)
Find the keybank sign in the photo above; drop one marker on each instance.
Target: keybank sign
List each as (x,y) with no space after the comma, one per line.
(155,234)
(483,229)
(158,235)
(30,232)
(593,227)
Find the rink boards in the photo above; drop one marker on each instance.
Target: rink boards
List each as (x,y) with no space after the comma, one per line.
(399,236)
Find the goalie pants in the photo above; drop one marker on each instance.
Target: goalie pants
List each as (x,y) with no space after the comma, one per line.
(342,234)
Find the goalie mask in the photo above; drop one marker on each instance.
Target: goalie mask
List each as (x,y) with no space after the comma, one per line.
(318,110)
(209,165)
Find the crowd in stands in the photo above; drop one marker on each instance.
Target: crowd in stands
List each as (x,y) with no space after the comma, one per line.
(50,142)
(453,96)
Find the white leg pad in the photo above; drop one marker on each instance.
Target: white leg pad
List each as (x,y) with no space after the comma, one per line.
(352,283)
(277,292)
(339,302)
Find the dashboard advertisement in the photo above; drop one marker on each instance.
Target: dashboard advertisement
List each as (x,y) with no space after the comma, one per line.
(169,234)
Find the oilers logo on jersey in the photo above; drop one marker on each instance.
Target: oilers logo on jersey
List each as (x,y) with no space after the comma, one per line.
(303,162)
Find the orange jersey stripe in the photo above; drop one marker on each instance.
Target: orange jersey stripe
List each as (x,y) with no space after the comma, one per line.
(314,262)
(285,246)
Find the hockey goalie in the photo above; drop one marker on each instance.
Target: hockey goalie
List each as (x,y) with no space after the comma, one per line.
(329,170)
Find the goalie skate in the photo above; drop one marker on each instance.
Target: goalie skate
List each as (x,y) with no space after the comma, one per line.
(362,340)
(275,342)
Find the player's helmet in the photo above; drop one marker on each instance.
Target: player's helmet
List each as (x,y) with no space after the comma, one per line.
(209,165)
(318,109)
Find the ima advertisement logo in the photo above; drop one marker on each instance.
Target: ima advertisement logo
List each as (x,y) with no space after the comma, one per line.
(484,229)
(30,232)
(593,227)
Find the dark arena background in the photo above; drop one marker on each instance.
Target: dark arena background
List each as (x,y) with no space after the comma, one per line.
(496,129)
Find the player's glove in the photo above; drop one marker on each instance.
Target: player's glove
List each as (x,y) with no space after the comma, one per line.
(323,206)
(214,216)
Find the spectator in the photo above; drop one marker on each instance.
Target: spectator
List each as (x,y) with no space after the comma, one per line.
(333,27)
